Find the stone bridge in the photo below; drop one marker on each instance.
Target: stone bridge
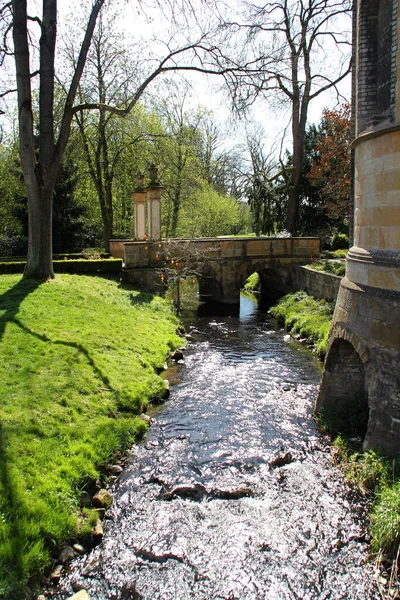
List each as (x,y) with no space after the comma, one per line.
(221,265)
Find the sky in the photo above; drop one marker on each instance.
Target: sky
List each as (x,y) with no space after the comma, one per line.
(143,20)
(140,22)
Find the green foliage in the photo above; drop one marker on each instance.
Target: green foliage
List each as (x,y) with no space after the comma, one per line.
(306,316)
(208,214)
(385,520)
(342,253)
(82,265)
(377,475)
(333,266)
(253,283)
(339,241)
(78,357)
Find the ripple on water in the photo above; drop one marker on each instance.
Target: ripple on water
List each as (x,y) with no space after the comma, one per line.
(233,494)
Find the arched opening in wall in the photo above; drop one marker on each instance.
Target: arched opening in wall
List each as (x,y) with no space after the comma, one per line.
(343,398)
(274,285)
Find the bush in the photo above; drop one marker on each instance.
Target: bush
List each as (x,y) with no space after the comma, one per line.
(385,520)
(339,241)
(374,475)
(13,245)
(334,267)
(82,265)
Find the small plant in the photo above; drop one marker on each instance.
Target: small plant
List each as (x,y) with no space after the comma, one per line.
(339,241)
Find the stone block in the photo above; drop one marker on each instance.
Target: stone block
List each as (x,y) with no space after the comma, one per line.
(368,237)
(385,334)
(388,180)
(390,237)
(258,247)
(357,272)
(227,249)
(384,278)
(370,307)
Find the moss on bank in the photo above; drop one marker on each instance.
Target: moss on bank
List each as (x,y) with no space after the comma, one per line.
(78,359)
(304,315)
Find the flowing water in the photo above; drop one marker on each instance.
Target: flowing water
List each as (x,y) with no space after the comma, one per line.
(233,495)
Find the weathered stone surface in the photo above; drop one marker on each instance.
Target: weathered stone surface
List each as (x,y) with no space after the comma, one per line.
(66,554)
(115,469)
(146,418)
(177,355)
(103,499)
(81,595)
(56,574)
(98,532)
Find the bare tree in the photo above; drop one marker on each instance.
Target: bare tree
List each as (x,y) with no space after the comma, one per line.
(301,49)
(40,167)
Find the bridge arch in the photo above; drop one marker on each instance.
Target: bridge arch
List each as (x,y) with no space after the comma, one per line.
(343,398)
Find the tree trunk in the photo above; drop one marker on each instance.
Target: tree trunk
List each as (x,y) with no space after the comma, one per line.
(299,119)
(40,210)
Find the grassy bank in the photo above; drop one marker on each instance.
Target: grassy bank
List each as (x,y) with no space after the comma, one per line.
(304,315)
(379,478)
(78,357)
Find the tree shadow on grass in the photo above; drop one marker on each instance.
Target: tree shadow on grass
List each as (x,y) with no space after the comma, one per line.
(10,302)
(12,504)
(137,297)
(12,299)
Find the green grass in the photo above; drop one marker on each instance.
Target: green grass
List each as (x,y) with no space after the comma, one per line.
(377,476)
(335,267)
(253,283)
(78,357)
(305,315)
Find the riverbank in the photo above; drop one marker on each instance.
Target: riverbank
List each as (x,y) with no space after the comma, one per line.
(306,318)
(79,357)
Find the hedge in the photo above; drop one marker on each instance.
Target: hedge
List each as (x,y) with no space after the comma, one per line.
(83,265)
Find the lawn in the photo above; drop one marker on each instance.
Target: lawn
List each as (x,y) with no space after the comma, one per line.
(78,359)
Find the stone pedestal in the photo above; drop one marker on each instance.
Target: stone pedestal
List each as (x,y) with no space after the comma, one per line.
(154,190)
(139,201)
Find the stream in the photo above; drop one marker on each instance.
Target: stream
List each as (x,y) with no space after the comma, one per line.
(233,494)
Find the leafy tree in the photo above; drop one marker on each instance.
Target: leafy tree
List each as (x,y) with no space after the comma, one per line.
(208,214)
(287,39)
(331,168)
(53,125)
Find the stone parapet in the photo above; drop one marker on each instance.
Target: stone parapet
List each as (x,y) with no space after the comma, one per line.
(316,283)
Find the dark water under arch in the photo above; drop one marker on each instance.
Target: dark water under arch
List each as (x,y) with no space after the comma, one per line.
(233,495)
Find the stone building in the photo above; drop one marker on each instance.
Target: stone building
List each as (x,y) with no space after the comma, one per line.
(360,386)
